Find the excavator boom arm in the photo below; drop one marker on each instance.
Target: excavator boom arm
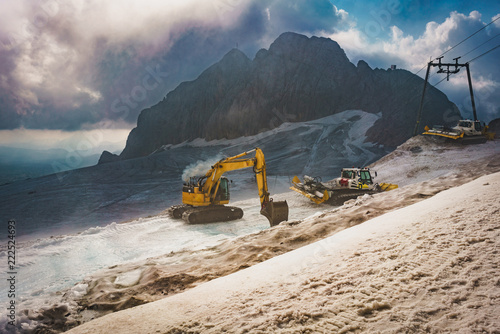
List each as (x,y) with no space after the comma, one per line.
(205,194)
(238,162)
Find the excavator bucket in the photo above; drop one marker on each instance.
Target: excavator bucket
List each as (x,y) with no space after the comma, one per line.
(275,212)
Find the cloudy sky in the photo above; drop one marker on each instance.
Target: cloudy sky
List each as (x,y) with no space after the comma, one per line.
(75,66)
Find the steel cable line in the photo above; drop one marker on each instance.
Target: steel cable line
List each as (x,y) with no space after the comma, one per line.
(470,61)
(496,47)
(429,63)
(465,39)
(477,47)
(439,82)
(482,44)
(468,37)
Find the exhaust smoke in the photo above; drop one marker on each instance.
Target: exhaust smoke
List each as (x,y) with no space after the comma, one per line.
(200,167)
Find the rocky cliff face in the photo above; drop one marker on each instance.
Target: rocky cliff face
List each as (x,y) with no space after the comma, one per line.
(297,79)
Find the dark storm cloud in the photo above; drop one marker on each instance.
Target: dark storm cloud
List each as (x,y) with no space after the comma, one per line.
(133,82)
(73,64)
(10,105)
(76,64)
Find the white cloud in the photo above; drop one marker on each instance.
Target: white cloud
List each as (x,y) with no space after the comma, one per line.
(496,19)
(355,43)
(414,52)
(436,39)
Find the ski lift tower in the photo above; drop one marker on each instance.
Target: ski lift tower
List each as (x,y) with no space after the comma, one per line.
(447,68)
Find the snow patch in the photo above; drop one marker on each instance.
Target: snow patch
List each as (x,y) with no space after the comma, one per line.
(129,278)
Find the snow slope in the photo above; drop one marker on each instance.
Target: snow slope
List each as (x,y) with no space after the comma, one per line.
(49,265)
(430,267)
(423,158)
(150,258)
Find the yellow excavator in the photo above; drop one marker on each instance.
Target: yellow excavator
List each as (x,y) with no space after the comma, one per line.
(204,197)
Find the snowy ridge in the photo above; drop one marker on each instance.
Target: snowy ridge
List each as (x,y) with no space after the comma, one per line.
(344,119)
(320,146)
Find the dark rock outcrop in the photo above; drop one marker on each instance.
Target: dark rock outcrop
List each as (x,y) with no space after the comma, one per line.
(297,79)
(494,126)
(108,157)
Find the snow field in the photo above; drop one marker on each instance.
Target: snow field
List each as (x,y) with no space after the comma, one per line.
(430,267)
(50,265)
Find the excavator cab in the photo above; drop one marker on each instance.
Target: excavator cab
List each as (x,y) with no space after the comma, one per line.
(223,190)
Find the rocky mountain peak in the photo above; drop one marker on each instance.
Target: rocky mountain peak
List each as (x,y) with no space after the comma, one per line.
(298,78)
(363,66)
(234,59)
(235,56)
(234,62)
(298,47)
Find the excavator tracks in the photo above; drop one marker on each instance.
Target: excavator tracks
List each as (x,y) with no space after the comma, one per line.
(205,214)
(339,197)
(473,140)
